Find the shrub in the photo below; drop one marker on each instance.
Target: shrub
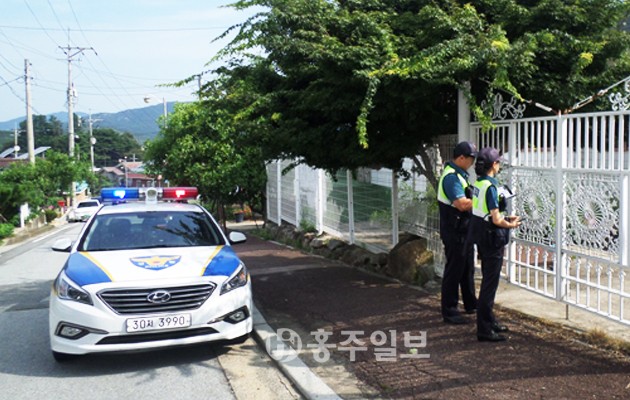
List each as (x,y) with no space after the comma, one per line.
(6,230)
(51,215)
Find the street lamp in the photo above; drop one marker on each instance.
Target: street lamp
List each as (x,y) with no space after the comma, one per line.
(148,99)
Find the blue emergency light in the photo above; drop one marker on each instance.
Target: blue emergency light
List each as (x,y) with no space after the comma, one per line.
(119,194)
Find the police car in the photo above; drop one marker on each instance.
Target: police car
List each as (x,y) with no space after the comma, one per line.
(148,271)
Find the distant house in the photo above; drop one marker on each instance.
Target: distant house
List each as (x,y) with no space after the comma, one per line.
(112,174)
(134,176)
(10,156)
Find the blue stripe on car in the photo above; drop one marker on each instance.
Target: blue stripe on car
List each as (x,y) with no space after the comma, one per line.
(224,263)
(82,271)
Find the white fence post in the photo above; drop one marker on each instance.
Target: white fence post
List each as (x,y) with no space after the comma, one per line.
(624,224)
(394,209)
(279,185)
(321,201)
(463,117)
(296,193)
(561,200)
(350,206)
(512,149)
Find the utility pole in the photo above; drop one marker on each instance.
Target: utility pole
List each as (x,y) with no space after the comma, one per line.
(70,52)
(30,137)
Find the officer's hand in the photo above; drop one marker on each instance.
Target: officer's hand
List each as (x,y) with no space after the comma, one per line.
(515,220)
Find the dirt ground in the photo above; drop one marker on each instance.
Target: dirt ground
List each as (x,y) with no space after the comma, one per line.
(402,349)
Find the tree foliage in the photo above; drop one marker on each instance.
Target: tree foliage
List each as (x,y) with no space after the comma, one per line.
(353,83)
(202,147)
(111,145)
(40,184)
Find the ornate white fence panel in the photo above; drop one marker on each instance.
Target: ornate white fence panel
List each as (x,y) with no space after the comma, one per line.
(571,174)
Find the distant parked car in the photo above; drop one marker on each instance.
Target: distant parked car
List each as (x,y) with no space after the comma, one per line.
(83,210)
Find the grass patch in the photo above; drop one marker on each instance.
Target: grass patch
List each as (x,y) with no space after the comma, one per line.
(599,338)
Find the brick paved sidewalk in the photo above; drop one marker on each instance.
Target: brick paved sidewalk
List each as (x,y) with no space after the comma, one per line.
(305,294)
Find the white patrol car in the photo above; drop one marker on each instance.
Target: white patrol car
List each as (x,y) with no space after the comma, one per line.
(147,274)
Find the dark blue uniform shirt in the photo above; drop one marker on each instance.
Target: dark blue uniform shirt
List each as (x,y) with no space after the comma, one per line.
(452,186)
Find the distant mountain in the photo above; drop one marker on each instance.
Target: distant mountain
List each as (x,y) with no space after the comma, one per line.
(142,123)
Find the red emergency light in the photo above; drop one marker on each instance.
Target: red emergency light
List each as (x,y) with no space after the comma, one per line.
(179,193)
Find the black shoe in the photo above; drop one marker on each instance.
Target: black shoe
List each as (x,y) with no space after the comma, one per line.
(456,320)
(498,328)
(471,311)
(492,337)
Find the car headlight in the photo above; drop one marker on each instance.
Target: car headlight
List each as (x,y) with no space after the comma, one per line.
(68,290)
(238,279)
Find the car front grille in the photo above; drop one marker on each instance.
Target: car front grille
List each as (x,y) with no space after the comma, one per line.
(135,301)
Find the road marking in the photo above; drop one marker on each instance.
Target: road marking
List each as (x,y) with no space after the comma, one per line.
(51,234)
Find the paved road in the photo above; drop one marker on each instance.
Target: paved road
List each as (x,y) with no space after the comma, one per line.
(28,371)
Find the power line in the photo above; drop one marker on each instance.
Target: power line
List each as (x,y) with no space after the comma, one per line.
(7,84)
(40,24)
(118,30)
(55,14)
(115,93)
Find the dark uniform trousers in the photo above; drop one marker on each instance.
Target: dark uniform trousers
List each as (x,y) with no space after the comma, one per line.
(491,263)
(458,272)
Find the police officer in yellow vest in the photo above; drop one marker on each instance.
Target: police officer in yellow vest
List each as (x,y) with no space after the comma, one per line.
(490,231)
(454,200)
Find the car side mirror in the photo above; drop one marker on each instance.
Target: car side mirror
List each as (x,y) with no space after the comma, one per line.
(237,237)
(63,245)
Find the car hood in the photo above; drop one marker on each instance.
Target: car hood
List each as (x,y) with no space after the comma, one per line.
(86,268)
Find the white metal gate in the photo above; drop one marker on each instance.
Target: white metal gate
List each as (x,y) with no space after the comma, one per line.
(571,174)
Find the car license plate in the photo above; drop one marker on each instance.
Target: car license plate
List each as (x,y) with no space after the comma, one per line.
(158,323)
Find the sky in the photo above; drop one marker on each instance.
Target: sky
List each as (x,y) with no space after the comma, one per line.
(129,48)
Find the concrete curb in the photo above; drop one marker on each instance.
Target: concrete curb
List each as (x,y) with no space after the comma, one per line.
(287,360)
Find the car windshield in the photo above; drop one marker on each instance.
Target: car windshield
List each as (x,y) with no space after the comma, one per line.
(149,230)
(88,204)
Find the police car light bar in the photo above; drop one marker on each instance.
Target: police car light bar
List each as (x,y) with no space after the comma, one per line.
(151,195)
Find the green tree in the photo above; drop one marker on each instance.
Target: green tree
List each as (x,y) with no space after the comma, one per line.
(352,83)
(40,184)
(6,139)
(47,131)
(200,147)
(111,146)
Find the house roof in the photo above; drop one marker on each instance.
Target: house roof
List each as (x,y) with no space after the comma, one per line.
(132,175)
(112,170)
(7,152)
(132,165)
(37,151)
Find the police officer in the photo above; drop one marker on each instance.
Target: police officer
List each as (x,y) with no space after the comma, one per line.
(454,200)
(490,230)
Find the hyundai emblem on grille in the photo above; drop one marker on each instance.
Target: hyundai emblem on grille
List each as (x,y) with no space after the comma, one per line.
(159,296)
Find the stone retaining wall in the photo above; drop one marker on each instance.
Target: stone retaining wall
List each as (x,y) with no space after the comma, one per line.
(409,261)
